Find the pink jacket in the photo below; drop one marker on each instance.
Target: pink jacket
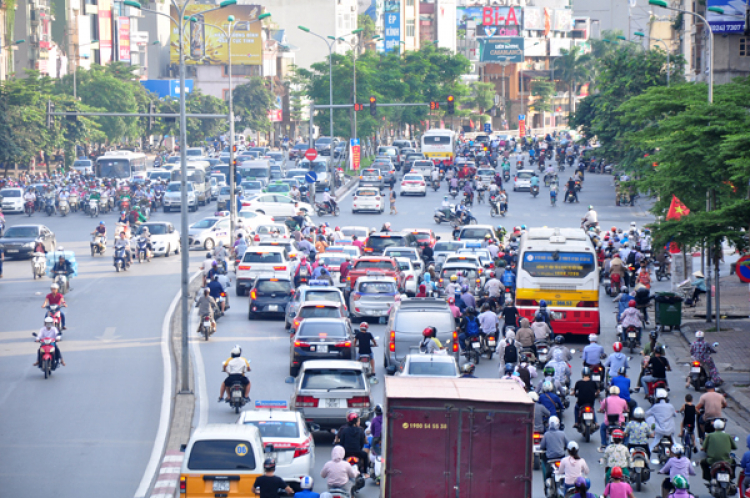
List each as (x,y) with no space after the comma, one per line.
(337,471)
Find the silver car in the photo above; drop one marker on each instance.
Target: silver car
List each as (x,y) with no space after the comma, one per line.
(372,296)
(172,197)
(426,365)
(208,232)
(326,390)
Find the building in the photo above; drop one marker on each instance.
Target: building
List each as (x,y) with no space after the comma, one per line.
(437,23)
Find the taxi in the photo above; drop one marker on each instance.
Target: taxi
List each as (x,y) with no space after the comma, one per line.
(368,199)
(278,187)
(286,435)
(222,460)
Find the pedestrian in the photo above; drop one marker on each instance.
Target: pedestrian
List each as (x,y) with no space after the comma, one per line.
(392,198)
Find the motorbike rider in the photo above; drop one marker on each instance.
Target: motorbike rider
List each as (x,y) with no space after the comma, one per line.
(48,332)
(430,343)
(146,234)
(30,196)
(712,404)
(617,488)
(573,467)
(488,321)
(549,399)
(616,360)
(622,381)
(745,467)
(469,327)
(542,332)
(329,201)
(337,471)
(509,280)
(638,430)
(215,288)
(553,444)
(269,484)
(55,298)
(207,306)
(586,392)
(541,413)
(221,255)
(678,465)
(123,242)
(663,414)
(364,341)
(590,219)
(612,405)
(467,371)
(616,455)
(510,314)
(303,265)
(593,353)
(717,446)
(659,366)
(701,351)
(101,231)
(236,367)
(353,439)
(534,181)
(571,188)
(559,345)
(63,266)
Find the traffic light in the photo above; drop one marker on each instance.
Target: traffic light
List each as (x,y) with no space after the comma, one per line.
(451,104)
(151,110)
(359,107)
(434,106)
(373,106)
(234,148)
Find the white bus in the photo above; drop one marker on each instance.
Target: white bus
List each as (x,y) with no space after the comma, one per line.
(559,266)
(121,165)
(439,145)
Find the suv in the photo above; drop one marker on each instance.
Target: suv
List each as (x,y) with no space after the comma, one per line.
(371,177)
(272,261)
(372,296)
(377,242)
(408,320)
(321,339)
(270,295)
(172,197)
(374,265)
(312,292)
(476,233)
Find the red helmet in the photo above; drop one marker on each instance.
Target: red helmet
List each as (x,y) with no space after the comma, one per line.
(631,303)
(352,416)
(618,434)
(492,274)
(364,326)
(616,473)
(427,332)
(451,300)
(617,347)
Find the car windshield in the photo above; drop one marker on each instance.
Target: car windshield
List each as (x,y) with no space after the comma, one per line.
(475,233)
(469,272)
(331,260)
(333,379)
(309,330)
(160,175)
(194,152)
(422,236)
(371,172)
(81,163)
(275,428)
(268,229)
(156,229)
(524,175)
(323,141)
(436,140)
(412,255)
(224,190)
(377,288)
(301,147)
(404,265)
(388,152)
(295,172)
(113,168)
(174,187)
(207,223)
(359,232)
(332,296)
(413,321)
(422,164)
(447,246)
(222,455)
(8,193)
(254,172)
(262,257)
(413,178)
(320,167)
(274,285)
(432,368)
(282,188)
(21,232)
(486,172)
(378,265)
(319,311)
(381,242)
(252,185)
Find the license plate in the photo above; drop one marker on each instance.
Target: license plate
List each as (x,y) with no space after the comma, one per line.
(639,463)
(596,378)
(722,477)
(12,250)
(588,416)
(476,345)
(221,485)
(273,307)
(332,403)
(557,315)
(695,370)
(491,342)
(632,335)
(322,349)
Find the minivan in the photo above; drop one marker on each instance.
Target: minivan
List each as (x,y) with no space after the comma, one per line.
(259,169)
(198,178)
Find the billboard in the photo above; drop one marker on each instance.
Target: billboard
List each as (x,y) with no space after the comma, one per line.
(392,25)
(105,32)
(726,24)
(498,49)
(491,20)
(563,20)
(208,45)
(533,18)
(123,37)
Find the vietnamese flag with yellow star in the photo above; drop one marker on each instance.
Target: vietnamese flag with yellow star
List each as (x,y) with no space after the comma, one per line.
(677,209)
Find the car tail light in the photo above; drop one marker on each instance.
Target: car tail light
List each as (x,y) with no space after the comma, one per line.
(243,267)
(183,484)
(377,198)
(392,342)
(696,363)
(403,183)
(492,265)
(256,238)
(301,344)
(304,450)
(421,184)
(253,294)
(358,402)
(346,344)
(297,322)
(306,402)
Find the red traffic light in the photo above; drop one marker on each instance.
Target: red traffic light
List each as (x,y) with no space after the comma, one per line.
(359,107)
(434,105)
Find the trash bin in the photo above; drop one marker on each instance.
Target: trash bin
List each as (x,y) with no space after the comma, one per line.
(668,310)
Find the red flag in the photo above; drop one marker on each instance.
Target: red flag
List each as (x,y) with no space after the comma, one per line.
(471,123)
(677,209)
(547,22)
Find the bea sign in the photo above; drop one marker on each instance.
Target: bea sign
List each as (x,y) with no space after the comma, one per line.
(499,16)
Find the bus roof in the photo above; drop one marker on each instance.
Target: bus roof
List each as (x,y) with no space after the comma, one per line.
(124,153)
(543,236)
(439,131)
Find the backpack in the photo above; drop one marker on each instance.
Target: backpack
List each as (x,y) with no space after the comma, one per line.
(472,327)
(631,258)
(511,353)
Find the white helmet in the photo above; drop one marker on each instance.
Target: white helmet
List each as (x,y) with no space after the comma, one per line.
(661,393)
(48,320)
(719,424)
(554,422)
(236,350)
(614,390)
(534,396)
(678,449)
(54,286)
(306,482)
(573,446)
(699,334)
(593,337)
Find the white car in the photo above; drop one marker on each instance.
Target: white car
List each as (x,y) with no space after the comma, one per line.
(411,253)
(165,238)
(287,432)
(208,232)
(352,251)
(411,276)
(84,166)
(267,233)
(413,184)
(424,365)
(157,175)
(522,180)
(333,261)
(276,205)
(262,260)
(368,199)
(361,232)
(487,175)
(172,197)
(12,200)
(251,220)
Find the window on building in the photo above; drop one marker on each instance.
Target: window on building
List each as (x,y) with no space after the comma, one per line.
(410,28)
(744,47)
(239,70)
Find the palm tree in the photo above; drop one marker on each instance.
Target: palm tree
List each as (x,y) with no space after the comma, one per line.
(572,67)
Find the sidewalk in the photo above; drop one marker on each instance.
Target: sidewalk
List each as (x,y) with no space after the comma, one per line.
(734,300)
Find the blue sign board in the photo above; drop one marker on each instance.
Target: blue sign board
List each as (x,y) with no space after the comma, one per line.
(733,19)
(271,404)
(487,128)
(392,27)
(167,88)
(311,177)
(522,117)
(353,142)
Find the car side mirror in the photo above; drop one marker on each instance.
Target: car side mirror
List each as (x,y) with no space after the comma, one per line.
(314,427)
(716,344)
(391,369)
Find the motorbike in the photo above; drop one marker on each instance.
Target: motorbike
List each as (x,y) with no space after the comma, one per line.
(120,259)
(519,165)
(98,245)
(125,204)
(578,186)
(376,458)
(561,166)
(435,185)
(467,219)
(506,175)
(640,471)
(662,271)
(144,253)
(49,205)
(53,311)
(699,372)
(542,351)
(73,200)
(93,208)
(468,199)
(473,349)
(570,196)
(64,207)
(553,198)
(662,451)
(38,264)
(653,386)
(534,190)
(586,424)
(48,363)
(236,395)
(570,160)
(453,191)
(61,279)
(721,485)
(28,208)
(480,195)
(629,337)
(597,375)
(537,439)
(495,207)
(532,160)
(554,485)
(206,327)
(439,216)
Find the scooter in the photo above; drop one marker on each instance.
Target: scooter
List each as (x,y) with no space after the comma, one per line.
(120,260)
(49,205)
(699,372)
(586,423)
(435,185)
(662,451)
(28,208)
(640,471)
(143,251)
(542,351)
(721,485)
(48,363)
(453,191)
(629,337)
(473,349)
(206,327)
(506,175)
(53,311)
(61,279)
(376,458)
(534,190)
(93,208)
(570,197)
(537,440)
(38,265)
(98,245)
(359,483)
(64,207)
(439,215)
(236,396)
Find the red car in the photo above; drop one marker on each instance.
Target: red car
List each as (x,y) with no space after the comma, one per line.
(425,236)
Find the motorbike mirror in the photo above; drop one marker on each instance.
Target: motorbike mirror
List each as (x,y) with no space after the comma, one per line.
(34,334)
(716,344)
(654,461)
(268,448)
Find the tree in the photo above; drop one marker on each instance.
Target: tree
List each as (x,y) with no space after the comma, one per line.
(252,101)
(198,129)
(572,68)
(367,25)
(543,90)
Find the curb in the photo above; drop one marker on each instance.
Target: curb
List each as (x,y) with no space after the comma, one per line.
(348,184)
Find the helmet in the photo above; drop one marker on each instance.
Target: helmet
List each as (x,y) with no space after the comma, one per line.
(492,274)
(659,350)
(500,228)
(464,288)
(652,335)
(631,303)
(618,434)
(451,300)
(591,207)
(719,424)
(679,481)
(534,396)
(554,422)
(661,393)
(547,386)
(678,449)
(486,236)
(616,472)
(236,350)
(48,320)
(617,347)
(523,227)
(54,286)
(470,309)
(509,368)
(352,416)
(586,372)
(454,278)
(582,482)
(468,368)
(208,255)
(614,391)
(427,332)
(549,371)
(364,326)
(378,409)
(269,464)
(622,370)
(101,223)
(573,446)
(614,229)
(542,303)
(699,334)
(593,337)
(306,482)
(559,339)
(710,384)
(639,413)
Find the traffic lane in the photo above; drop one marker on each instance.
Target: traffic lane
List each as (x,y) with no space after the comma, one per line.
(114,324)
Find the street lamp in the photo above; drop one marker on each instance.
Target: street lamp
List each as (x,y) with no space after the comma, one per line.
(354,77)
(666,49)
(185,256)
(663,4)
(330,78)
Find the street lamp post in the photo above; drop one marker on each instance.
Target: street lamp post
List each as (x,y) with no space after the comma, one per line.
(330,77)
(185,256)
(354,78)
(666,49)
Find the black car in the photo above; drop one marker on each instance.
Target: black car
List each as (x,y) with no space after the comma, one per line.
(19,240)
(270,296)
(321,339)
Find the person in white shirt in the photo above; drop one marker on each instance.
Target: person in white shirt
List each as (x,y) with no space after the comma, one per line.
(591,218)
(435,175)
(236,367)
(29,196)
(48,332)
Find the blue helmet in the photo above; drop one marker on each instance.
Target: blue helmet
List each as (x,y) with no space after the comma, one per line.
(101,223)
(523,227)
(500,228)
(542,303)
(327,189)
(710,384)
(509,368)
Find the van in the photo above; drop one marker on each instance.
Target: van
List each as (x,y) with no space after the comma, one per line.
(222,460)
(197,176)
(259,169)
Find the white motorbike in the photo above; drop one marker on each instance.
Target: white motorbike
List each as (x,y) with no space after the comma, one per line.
(38,264)
(93,208)
(63,206)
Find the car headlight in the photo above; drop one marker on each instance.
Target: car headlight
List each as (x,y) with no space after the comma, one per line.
(29,244)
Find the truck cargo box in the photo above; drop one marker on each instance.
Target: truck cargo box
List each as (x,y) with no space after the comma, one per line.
(457,438)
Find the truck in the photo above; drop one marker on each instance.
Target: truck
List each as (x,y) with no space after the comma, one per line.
(457,438)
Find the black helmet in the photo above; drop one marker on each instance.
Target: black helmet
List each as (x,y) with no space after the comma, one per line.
(586,372)
(269,464)
(378,409)
(470,309)
(652,334)
(559,339)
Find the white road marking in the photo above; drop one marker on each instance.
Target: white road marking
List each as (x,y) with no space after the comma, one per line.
(200,375)
(109,334)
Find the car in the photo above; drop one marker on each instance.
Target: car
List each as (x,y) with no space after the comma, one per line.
(487,175)
(84,166)
(470,270)
(426,365)
(262,150)
(157,175)
(522,180)
(407,321)
(413,183)
(276,205)
(422,167)
(425,237)
(252,220)
(290,245)
(222,201)
(173,199)
(220,457)
(402,153)
(391,152)
(18,241)
(316,291)
(164,237)
(402,144)
(442,249)
(373,295)
(272,261)
(482,139)
(368,199)
(251,187)
(333,261)
(318,309)
(411,157)
(224,157)
(321,339)
(469,259)
(361,232)
(484,255)
(208,232)
(247,155)
(477,233)
(292,182)
(371,177)
(323,145)
(12,198)
(411,276)
(298,151)
(388,170)
(269,296)
(352,251)
(269,233)
(320,166)
(412,253)
(297,174)
(217,180)
(286,433)
(194,152)
(278,187)
(327,390)
(377,242)
(278,157)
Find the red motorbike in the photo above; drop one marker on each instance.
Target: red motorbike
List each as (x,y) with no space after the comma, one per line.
(29,207)
(48,362)
(53,311)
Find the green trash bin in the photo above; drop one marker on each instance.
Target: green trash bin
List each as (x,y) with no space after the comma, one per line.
(668,310)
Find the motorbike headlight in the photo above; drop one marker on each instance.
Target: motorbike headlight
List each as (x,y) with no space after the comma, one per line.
(29,244)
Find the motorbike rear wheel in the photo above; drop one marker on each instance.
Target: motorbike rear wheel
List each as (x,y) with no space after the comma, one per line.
(638,481)
(205,332)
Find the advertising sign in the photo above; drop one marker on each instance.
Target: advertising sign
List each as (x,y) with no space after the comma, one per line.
(533,18)
(558,264)
(354,157)
(392,25)
(726,24)
(563,20)
(207,45)
(275,115)
(123,33)
(509,48)
(491,20)
(522,128)
(105,32)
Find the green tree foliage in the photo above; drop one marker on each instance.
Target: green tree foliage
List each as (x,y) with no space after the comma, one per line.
(369,30)
(572,67)
(542,90)
(252,100)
